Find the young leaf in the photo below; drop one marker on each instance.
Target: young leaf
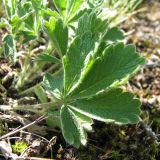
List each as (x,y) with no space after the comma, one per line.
(25,11)
(118,62)
(55,29)
(10,47)
(48,12)
(74,61)
(48,58)
(114,105)
(72,129)
(10,6)
(40,93)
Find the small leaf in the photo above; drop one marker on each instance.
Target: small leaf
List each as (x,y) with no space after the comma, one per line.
(112,106)
(55,29)
(10,48)
(48,12)
(48,58)
(40,93)
(26,35)
(25,13)
(4,23)
(72,129)
(53,119)
(118,62)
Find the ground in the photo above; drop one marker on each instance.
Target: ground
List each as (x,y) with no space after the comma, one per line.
(108,141)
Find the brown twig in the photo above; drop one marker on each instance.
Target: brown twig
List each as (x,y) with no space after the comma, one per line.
(22,128)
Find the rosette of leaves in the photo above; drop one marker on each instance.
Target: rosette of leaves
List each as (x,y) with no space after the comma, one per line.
(95,64)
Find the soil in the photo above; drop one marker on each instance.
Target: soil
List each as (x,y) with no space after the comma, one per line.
(108,141)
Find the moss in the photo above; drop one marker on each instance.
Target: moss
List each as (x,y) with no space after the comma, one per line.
(19,147)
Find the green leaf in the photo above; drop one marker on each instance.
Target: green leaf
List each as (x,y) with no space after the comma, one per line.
(72,128)
(55,29)
(48,12)
(61,6)
(40,93)
(25,14)
(53,119)
(4,23)
(68,8)
(48,58)
(54,84)
(26,36)
(85,121)
(116,64)
(112,106)
(20,23)
(77,15)
(23,8)
(89,22)
(75,59)
(10,48)
(113,35)
(10,6)
(73,6)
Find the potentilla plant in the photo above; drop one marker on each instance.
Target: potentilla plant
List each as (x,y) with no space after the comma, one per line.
(94,65)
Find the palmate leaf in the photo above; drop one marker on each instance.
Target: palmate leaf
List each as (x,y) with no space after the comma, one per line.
(55,29)
(116,64)
(112,106)
(72,127)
